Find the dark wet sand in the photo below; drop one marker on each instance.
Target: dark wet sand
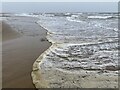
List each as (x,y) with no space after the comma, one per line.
(9,33)
(19,53)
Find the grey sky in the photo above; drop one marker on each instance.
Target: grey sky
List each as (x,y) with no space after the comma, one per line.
(22,7)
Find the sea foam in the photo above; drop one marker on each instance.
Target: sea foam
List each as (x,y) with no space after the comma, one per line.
(79,53)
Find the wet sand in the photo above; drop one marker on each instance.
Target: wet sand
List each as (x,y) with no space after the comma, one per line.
(9,33)
(21,47)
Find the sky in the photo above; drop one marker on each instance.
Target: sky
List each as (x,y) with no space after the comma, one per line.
(28,7)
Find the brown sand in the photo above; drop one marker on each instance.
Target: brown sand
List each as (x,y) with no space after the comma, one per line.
(19,54)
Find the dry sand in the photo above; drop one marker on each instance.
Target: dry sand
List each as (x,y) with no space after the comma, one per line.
(20,50)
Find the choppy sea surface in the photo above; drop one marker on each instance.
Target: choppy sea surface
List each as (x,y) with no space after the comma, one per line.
(80,27)
(90,39)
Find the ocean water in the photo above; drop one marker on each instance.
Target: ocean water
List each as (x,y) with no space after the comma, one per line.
(90,38)
(80,41)
(80,27)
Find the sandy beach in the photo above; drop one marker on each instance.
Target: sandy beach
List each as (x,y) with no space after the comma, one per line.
(63,65)
(60,44)
(23,41)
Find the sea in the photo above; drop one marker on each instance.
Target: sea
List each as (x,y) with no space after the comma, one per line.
(85,40)
(82,43)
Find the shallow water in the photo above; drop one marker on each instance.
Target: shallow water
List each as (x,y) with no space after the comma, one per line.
(80,36)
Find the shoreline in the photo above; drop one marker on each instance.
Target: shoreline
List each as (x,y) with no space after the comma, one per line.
(47,74)
(20,53)
(35,70)
(87,75)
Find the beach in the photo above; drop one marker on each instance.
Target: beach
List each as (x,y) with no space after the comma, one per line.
(23,41)
(83,53)
(60,45)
